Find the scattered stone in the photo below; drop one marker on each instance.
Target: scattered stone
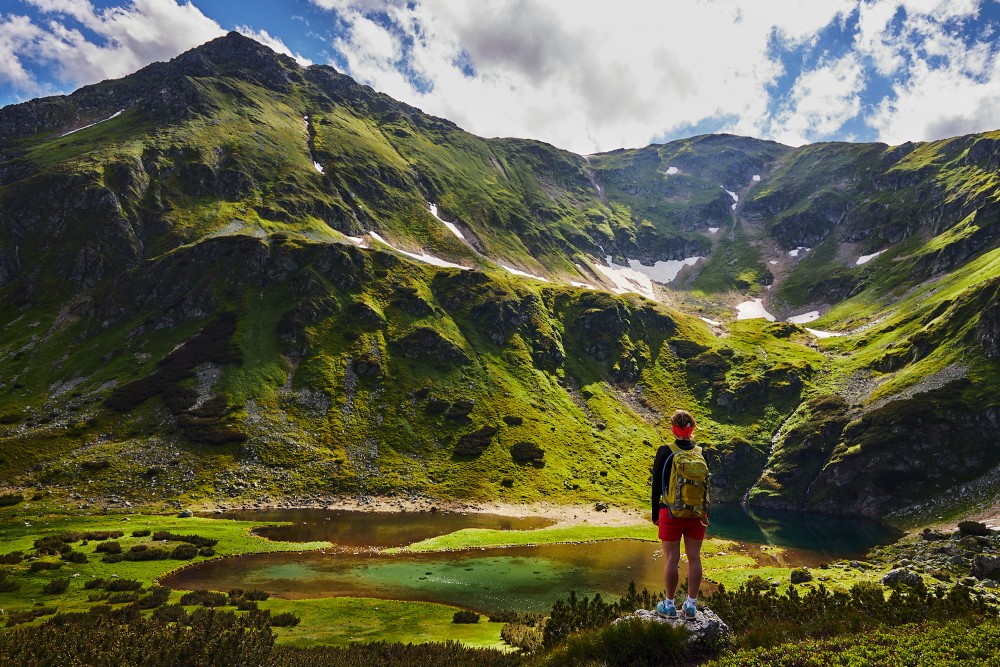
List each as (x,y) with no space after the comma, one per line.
(901,575)
(185,514)
(601,506)
(800,575)
(968,581)
(933,535)
(706,629)
(985,567)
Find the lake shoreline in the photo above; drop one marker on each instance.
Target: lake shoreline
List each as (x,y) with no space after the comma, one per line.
(563,515)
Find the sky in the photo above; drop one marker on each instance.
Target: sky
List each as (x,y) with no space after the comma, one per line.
(585,75)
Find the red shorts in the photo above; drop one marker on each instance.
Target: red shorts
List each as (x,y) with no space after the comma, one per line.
(671,529)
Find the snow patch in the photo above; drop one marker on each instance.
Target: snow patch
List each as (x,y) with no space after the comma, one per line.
(318,167)
(756,178)
(750,310)
(450,225)
(114,115)
(736,197)
(628,280)
(822,334)
(804,318)
(421,257)
(358,241)
(672,170)
(712,322)
(583,285)
(713,230)
(800,249)
(772,262)
(518,272)
(661,271)
(864,259)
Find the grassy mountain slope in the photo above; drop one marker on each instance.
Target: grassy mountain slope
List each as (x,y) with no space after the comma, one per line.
(193,305)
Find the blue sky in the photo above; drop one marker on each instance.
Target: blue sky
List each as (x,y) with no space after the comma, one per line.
(586,75)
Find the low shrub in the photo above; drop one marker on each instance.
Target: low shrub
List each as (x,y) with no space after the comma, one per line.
(122,598)
(252,594)
(284,620)
(39,565)
(140,552)
(465,616)
(91,584)
(110,547)
(170,613)
(56,586)
(142,532)
(625,643)
(115,585)
(100,535)
(382,654)
(7,585)
(74,557)
(12,558)
(974,528)
(526,452)
(196,540)
(184,552)
(207,552)
(9,499)
(204,598)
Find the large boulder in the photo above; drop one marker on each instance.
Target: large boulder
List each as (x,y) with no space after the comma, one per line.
(901,575)
(706,628)
(986,567)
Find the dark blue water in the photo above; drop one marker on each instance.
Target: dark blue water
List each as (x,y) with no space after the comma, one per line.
(829,536)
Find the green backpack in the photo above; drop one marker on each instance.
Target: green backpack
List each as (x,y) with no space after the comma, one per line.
(685,494)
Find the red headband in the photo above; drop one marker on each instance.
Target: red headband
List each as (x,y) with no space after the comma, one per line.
(682,432)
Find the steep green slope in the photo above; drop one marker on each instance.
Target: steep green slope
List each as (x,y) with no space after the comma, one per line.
(195,302)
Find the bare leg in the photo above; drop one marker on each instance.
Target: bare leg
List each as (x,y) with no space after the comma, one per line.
(671,556)
(693,550)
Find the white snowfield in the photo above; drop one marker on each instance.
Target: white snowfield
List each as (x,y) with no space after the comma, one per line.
(318,167)
(523,274)
(756,178)
(450,225)
(661,271)
(821,334)
(712,322)
(628,280)
(713,230)
(422,257)
(750,310)
(583,285)
(805,318)
(772,261)
(800,249)
(864,259)
(672,170)
(114,115)
(358,241)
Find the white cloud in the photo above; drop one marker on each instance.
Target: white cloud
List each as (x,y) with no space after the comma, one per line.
(273,43)
(15,33)
(576,74)
(822,101)
(127,38)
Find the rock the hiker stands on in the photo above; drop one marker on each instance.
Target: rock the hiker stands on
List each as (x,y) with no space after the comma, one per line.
(706,629)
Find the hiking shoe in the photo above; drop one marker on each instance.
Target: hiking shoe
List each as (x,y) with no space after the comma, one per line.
(690,610)
(666,609)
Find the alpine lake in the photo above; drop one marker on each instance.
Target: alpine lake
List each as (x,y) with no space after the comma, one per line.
(401,556)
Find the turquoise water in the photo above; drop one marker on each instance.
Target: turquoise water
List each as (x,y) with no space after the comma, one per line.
(488,580)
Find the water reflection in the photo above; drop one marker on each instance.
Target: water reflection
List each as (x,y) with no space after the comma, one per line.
(487,580)
(352,528)
(823,535)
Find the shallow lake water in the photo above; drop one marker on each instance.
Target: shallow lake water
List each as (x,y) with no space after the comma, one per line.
(528,578)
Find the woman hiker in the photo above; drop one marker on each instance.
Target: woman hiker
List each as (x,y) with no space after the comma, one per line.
(680,507)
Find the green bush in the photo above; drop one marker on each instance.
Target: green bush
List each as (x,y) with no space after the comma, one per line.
(626,643)
(465,616)
(527,452)
(7,585)
(204,598)
(8,499)
(184,552)
(576,614)
(158,595)
(123,585)
(207,552)
(382,654)
(142,532)
(74,557)
(196,540)
(974,528)
(12,558)
(284,620)
(39,565)
(56,586)
(110,547)
(91,584)
(100,535)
